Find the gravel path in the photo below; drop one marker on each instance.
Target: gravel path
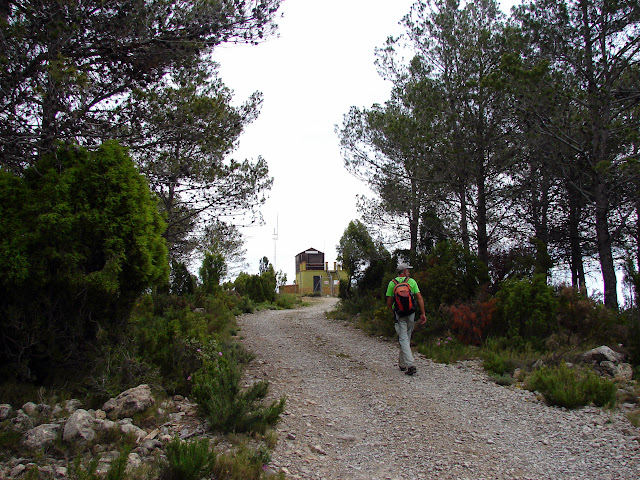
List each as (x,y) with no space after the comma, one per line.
(351,414)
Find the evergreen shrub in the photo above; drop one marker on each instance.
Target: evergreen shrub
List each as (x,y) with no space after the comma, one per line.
(188,460)
(244,463)
(572,387)
(287,301)
(526,308)
(451,276)
(446,350)
(497,363)
(182,281)
(378,323)
(580,318)
(80,240)
(216,389)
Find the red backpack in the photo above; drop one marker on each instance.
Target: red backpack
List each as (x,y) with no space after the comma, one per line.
(403,297)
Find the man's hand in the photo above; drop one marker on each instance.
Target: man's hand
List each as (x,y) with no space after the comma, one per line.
(423,319)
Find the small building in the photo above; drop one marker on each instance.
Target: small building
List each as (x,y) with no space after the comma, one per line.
(314,277)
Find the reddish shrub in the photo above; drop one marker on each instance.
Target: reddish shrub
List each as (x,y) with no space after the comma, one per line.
(469,321)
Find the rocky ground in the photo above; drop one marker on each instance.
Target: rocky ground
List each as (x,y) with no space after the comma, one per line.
(351,414)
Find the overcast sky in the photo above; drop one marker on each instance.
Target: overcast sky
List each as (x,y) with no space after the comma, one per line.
(321,64)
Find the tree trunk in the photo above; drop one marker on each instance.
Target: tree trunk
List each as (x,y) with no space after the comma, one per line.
(575,248)
(464,222)
(637,240)
(481,226)
(604,248)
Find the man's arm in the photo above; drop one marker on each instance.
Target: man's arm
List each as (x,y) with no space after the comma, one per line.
(390,303)
(423,315)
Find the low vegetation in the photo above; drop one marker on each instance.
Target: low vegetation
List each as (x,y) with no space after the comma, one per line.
(180,345)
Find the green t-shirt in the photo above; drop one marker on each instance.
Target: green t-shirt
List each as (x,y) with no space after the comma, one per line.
(412,283)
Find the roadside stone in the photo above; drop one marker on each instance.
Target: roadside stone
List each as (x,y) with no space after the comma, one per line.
(5,411)
(608,368)
(105,461)
(105,424)
(128,428)
(602,354)
(318,449)
(22,422)
(624,372)
(129,402)
(151,444)
(133,461)
(30,408)
(61,471)
(72,405)
(17,471)
(41,436)
(79,427)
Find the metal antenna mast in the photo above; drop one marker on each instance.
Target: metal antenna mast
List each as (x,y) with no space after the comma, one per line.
(275,239)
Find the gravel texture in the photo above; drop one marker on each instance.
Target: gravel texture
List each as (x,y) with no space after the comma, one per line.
(351,414)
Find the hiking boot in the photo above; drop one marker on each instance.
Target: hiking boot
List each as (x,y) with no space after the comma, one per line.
(403,369)
(411,370)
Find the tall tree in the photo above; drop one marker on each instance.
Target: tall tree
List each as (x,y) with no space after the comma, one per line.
(67,63)
(459,49)
(226,239)
(356,251)
(596,43)
(388,146)
(181,135)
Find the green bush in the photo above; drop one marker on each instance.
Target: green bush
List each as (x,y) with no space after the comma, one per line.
(572,387)
(288,301)
(451,276)
(581,318)
(526,308)
(182,281)
(259,288)
(80,240)
(446,350)
(192,460)
(377,323)
(164,344)
(244,464)
(503,380)
(497,363)
(216,389)
(501,356)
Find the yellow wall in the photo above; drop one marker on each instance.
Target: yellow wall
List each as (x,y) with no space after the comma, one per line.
(328,279)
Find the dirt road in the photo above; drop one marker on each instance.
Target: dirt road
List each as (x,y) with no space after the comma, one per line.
(351,414)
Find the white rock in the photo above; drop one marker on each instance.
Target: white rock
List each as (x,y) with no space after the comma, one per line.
(134,461)
(79,427)
(41,436)
(5,411)
(17,471)
(29,408)
(72,405)
(130,429)
(129,402)
(603,353)
(624,372)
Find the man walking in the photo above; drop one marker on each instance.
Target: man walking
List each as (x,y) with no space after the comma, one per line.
(404,321)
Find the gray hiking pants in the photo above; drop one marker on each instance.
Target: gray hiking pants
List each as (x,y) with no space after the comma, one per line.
(404,328)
